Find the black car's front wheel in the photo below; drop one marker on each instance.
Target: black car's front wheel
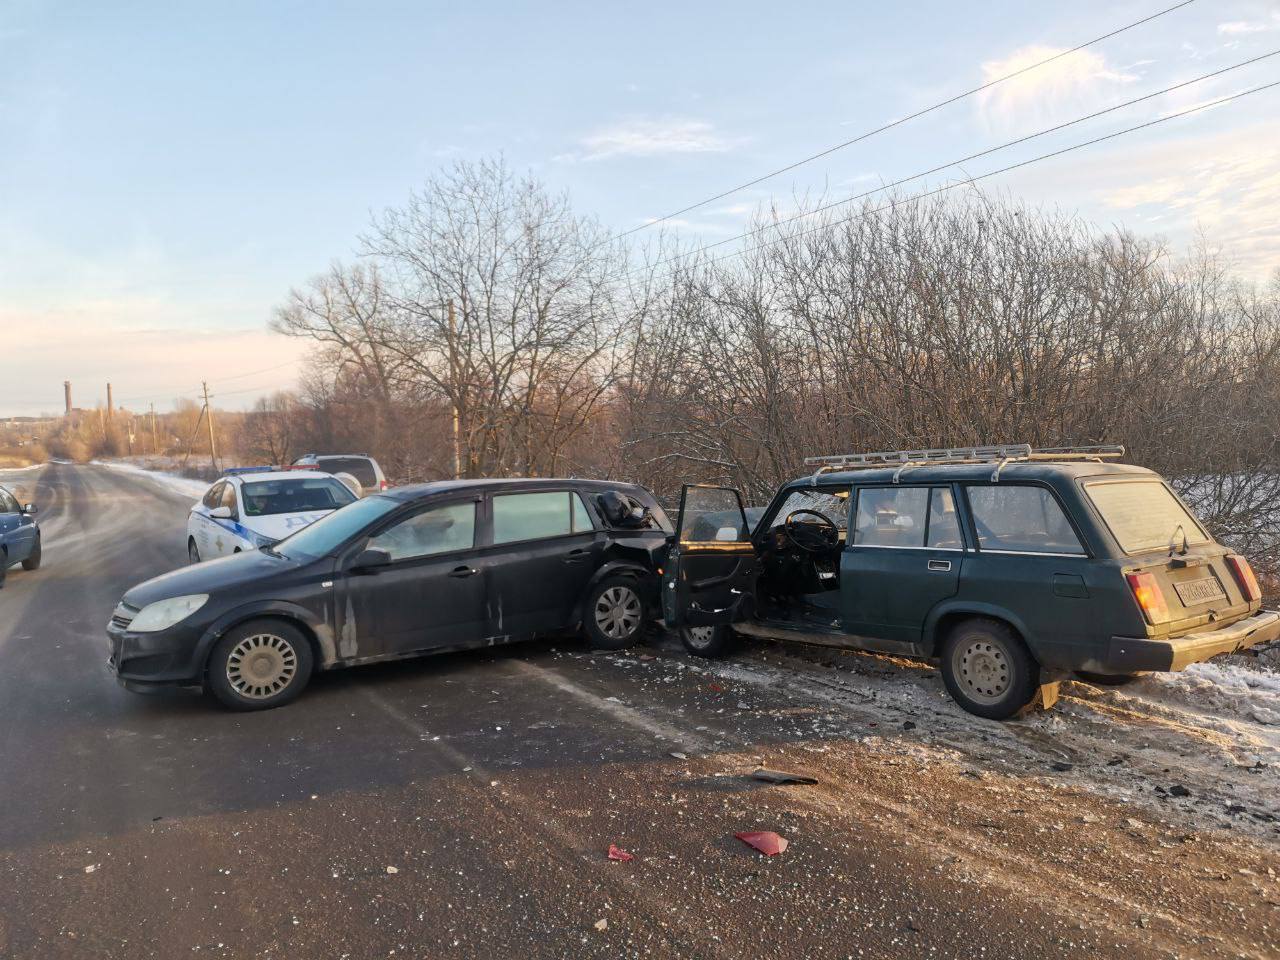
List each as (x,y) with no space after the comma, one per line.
(613,615)
(259,665)
(988,670)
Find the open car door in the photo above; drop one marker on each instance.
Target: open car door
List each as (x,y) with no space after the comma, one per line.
(710,573)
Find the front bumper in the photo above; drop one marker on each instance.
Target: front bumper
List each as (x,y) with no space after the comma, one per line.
(166,657)
(1133,654)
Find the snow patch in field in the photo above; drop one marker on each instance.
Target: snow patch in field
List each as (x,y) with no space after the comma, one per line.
(1221,687)
(179,484)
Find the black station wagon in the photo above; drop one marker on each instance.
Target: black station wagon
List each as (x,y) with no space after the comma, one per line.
(413,570)
(1014,567)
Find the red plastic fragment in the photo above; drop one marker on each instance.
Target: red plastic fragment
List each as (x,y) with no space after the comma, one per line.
(716,687)
(617,853)
(766,841)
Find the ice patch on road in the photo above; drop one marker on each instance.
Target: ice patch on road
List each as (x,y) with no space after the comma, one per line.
(178,484)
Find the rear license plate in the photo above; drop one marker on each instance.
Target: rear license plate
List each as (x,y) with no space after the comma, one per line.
(1193,592)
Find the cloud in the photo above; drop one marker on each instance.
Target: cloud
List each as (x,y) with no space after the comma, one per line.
(1226,184)
(1235,28)
(649,137)
(1077,80)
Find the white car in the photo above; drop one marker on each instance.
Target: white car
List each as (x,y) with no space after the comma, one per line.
(252,507)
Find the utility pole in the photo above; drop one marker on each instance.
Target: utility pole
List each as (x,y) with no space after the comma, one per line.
(154,445)
(213,449)
(453,374)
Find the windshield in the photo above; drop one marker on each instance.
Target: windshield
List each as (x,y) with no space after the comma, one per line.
(330,532)
(264,498)
(1144,515)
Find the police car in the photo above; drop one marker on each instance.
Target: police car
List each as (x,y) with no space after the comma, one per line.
(252,507)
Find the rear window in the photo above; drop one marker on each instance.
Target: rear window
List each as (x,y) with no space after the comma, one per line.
(359,467)
(264,498)
(1144,515)
(1016,519)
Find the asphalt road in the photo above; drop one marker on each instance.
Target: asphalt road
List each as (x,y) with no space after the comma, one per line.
(463,805)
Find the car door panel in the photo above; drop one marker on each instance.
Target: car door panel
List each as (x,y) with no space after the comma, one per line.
(904,557)
(416,602)
(710,574)
(543,553)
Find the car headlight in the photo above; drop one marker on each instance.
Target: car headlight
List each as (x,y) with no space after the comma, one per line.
(165,613)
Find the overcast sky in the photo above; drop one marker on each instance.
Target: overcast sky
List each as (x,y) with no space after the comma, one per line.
(169,169)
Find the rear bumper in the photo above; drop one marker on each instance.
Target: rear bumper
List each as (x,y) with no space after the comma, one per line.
(1132,654)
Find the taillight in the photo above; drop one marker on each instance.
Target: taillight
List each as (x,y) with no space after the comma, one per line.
(1149,596)
(382,484)
(1244,576)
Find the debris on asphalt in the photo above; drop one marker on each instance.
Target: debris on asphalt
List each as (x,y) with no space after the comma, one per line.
(678,755)
(908,724)
(781,776)
(393,869)
(766,841)
(1060,766)
(617,853)
(602,924)
(1178,790)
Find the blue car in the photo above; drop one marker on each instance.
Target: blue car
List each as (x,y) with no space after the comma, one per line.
(19,534)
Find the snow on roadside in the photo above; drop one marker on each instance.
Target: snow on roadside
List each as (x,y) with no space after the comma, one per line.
(5,471)
(179,484)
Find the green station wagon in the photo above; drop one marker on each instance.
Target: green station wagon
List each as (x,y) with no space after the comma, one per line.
(1013,567)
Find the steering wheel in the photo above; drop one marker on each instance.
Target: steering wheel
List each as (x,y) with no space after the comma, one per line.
(808,535)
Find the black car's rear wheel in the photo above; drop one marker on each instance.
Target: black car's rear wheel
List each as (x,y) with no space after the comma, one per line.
(988,670)
(33,558)
(259,665)
(713,641)
(614,614)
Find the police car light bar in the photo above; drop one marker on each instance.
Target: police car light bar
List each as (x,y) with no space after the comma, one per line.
(237,471)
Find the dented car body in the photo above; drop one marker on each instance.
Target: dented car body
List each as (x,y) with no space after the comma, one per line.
(1013,567)
(414,570)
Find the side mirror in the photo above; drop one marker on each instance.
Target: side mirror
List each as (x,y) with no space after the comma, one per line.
(369,559)
(220,513)
(29,509)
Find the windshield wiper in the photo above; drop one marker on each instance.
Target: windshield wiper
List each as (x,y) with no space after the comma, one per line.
(1173,541)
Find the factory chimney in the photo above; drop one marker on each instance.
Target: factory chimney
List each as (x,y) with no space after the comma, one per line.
(110,407)
(66,392)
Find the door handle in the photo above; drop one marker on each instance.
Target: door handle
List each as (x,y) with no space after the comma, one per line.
(460,572)
(940,565)
(575,556)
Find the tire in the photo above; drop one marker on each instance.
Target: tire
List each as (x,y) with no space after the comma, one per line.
(988,670)
(1107,679)
(714,641)
(259,665)
(193,552)
(613,615)
(33,558)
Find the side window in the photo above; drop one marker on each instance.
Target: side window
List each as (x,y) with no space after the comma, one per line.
(531,516)
(712,514)
(832,503)
(944,524)
(213,496)
(229,498)
(8,504)
(891,516)
(1021,519)
(439,530)
(581,518)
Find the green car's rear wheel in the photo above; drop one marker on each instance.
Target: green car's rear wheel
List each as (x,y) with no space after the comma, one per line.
(988,670)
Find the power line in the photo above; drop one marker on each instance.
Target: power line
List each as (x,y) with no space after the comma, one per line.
(1013,166)
(973,156)
(234,376)
(896,123)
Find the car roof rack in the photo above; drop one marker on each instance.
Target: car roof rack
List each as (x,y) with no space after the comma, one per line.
(999,454)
